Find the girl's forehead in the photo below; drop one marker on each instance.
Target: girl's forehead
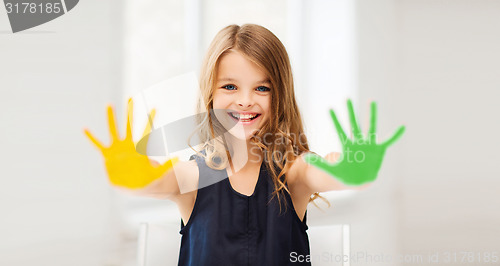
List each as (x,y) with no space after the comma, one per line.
(235,66)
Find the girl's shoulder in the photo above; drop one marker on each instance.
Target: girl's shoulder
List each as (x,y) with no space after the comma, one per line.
(187,175)
(296,169)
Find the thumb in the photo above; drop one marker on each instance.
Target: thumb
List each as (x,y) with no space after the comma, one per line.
(333,157)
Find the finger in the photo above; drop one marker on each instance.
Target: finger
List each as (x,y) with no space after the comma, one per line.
(333,157)
(394,137)
(94,140)
(354,124)
(373,123)
(338,127)
(130,112)
(151,117)
(112,124)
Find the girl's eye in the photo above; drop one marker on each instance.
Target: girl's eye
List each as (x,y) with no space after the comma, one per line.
(263,88)
(229,87)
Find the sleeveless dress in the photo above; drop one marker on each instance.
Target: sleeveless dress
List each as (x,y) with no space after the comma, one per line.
(229,228)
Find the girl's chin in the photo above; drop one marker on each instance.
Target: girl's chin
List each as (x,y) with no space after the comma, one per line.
(242,134)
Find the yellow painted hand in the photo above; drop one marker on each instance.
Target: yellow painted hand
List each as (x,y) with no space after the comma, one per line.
(125,166)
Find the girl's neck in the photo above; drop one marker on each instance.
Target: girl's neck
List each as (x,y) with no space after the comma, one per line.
(243,153)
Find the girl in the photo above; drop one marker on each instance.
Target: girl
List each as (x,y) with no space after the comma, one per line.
(243,196)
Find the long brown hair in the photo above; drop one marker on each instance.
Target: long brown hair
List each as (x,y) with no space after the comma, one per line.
(284,133)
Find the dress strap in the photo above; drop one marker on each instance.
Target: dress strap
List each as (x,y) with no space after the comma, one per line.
(208,176)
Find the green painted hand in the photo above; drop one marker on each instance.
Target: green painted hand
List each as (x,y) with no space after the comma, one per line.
(361,158)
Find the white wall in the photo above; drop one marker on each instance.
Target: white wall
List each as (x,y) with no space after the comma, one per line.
(435,67)
(55,202)
(448,91)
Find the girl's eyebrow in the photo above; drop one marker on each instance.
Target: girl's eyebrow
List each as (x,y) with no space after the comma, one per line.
(233,80)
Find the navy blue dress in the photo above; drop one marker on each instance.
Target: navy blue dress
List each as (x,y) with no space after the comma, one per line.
(229,228)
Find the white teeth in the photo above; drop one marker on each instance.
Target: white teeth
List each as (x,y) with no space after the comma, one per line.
(243,116)
(247,116)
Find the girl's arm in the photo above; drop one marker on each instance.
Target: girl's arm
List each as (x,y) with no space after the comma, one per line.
(313,180)
(173,184)
(358,166)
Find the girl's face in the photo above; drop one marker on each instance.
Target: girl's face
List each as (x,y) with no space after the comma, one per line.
(242,96)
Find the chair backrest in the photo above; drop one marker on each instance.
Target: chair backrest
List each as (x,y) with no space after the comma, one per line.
(159,244)
(330,245)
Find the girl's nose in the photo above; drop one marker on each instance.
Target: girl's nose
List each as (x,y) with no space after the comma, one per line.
(244,104)
(245,100)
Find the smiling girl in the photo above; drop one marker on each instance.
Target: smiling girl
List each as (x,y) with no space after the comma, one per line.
(256,214)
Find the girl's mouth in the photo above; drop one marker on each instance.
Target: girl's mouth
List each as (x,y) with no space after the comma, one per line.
(246,117)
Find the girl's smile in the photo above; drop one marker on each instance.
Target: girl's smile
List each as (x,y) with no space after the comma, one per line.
(245,118)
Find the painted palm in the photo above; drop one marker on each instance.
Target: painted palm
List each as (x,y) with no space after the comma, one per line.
(361,157)
(125,166)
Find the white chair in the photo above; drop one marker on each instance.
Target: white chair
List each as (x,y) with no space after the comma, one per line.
(159,244)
